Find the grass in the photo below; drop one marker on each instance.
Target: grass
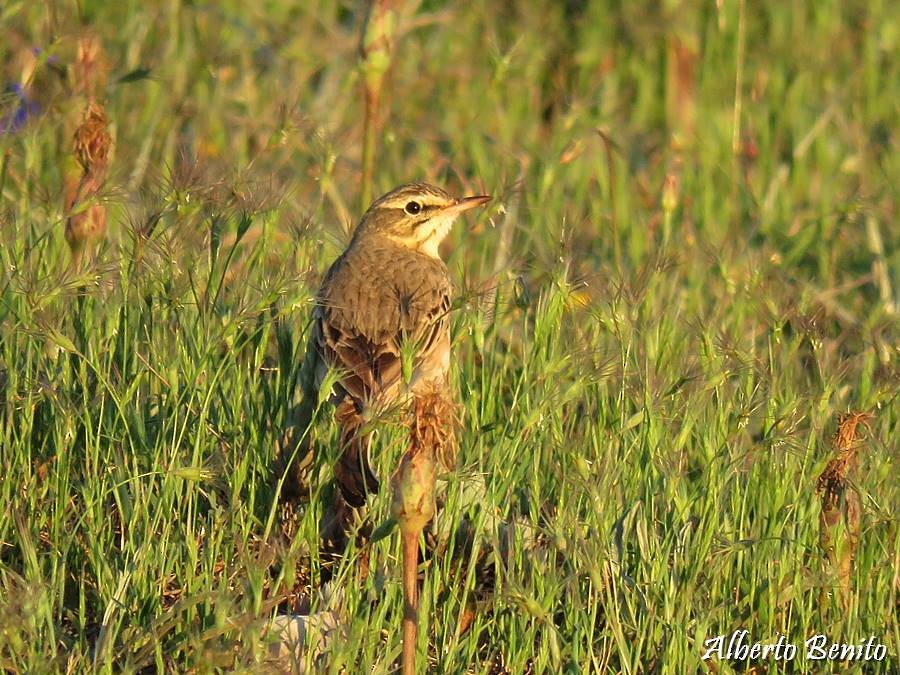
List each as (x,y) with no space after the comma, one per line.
(657,329)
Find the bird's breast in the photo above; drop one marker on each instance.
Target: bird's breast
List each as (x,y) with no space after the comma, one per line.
(380,292)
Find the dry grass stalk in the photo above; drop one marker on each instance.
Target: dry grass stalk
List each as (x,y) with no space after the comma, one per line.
(85,213)
(92,147)
(91,66)
(681,85)
(375,49)
(432,443)
(839,523)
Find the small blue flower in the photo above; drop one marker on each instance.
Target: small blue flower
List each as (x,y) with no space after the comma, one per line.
(25,108)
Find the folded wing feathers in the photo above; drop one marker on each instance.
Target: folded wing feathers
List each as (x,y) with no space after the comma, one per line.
(360,327)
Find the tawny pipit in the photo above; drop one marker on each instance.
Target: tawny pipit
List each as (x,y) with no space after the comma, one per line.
(382,320)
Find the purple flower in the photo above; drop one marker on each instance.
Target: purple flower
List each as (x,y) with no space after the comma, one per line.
(25,108)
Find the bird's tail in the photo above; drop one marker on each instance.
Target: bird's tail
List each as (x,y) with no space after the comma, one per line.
(355,481)
(353,472)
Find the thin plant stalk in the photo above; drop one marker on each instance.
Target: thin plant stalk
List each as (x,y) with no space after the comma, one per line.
(409,542)
(375,50)
(413,504)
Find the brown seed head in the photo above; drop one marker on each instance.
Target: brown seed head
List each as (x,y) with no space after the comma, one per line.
(92,143)
(432,444)
(86,214)
(831,482)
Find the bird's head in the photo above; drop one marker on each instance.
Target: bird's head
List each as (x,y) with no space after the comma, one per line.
(417,216)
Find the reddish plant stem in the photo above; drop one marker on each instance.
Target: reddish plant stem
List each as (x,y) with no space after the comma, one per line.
(409,543)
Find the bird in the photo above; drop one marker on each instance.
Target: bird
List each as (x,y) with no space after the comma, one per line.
(381,321)
(388,294)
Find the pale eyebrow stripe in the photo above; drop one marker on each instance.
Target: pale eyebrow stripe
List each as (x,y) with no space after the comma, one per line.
(401,201)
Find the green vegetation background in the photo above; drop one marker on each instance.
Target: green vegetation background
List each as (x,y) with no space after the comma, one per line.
(689,271)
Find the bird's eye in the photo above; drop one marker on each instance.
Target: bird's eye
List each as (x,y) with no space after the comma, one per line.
(412,208)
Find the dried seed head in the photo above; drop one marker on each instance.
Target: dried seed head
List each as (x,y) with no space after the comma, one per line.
(841,503)
(91,69)
(845,437)
(92,143)
(85,213)
(431,442)
(832,481)
(434,420)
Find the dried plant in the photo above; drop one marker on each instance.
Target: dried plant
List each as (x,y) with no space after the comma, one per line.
(92,147)
(431,444)
(839,523)
(85,212)
(375,49)
(91,65)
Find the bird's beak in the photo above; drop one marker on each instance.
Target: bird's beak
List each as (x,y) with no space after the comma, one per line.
(466,203)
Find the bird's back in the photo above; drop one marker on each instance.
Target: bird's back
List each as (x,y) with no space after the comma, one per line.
(375,297)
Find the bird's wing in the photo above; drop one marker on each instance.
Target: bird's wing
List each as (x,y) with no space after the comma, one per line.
(366,314)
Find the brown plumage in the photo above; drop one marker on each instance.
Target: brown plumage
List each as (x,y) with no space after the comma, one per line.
(382,321)
(377,296)
(387,295)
